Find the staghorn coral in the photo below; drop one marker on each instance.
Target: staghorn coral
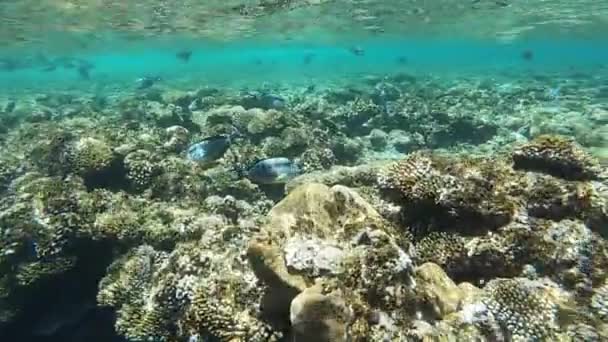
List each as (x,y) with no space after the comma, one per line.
(557,156)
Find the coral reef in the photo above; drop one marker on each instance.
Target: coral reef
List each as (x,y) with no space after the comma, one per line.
(426,210)
(557,156)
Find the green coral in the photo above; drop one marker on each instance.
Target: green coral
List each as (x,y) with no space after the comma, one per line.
(557,156)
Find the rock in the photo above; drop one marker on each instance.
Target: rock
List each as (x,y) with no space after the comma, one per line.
(351,176)
(313,256)
(438,290)
(318,317)
(177,138)
(311,232)
(379,139)
(404,142)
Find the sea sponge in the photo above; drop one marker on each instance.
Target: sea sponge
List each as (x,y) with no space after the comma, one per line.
(558,156)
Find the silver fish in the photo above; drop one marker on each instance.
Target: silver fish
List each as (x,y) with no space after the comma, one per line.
(273,171)
(209,149)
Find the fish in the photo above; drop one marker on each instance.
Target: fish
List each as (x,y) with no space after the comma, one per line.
(10,106)
(83,72)
(357,51)
(277,170)
(212,148)
(308,58)
(263,100)
(403,60)
(184,55)
(273,101)
(527,55)
(84,68)
(147,81)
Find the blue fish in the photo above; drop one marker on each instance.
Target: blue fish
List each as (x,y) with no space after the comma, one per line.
(212,148)
(263,100)
(147,81)
(273,171)
(209,149)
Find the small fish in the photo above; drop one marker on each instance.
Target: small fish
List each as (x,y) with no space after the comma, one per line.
(9,64)
(212,148)
(554,93)
(527,55)
(273,101)
(84,68)
(10,106)
(49,68)
(357,51)
(147,81)
(273,171)
(184,55)
(263,100)
(84,73)
(402,60)
(308,58)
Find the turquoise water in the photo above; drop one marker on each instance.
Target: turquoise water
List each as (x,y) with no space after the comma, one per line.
(469,134)
(253,64)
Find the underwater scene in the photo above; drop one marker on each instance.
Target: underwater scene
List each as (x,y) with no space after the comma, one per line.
(303,170)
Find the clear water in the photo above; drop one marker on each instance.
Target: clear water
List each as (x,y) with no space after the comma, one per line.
(268,41)
(557,48)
